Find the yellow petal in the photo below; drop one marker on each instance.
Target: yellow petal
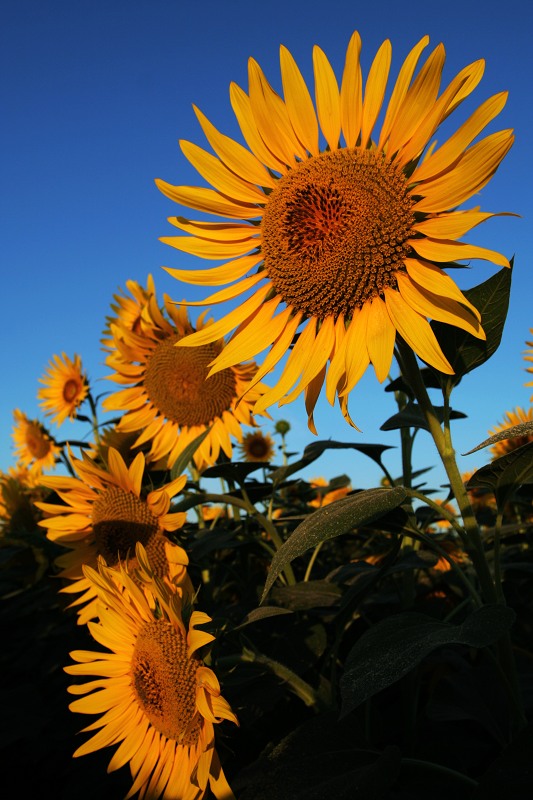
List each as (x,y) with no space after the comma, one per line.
(432,278)
(327,98)
(356,358)
(219,176)
(321,351)
(217,276)
(216,231)
(453,225)
(298,101)
(230,291)
(236,157)
(439,308)
(468,175)
(312,393)
(351,101)
(442,158)
(208,201)
(208,249)
(279,348)
(375,90)
(242,108)
(436,250)
(416,331)
(380,338)
(400,89)
(258,332)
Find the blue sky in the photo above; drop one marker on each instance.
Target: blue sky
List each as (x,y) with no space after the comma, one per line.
(95,96)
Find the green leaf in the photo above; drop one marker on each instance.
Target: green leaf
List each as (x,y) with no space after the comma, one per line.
(392,648)
(412,417)
(333,520)
(523,429)
(307,594)
(262,613)
(464,351)
(235,471)
(315,449)
(505,474)
(184,458)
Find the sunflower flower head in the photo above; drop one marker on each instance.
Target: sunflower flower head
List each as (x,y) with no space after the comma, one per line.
(127,310)
(34,447)
(257,446)
(65,388)
(104,514)
(510,419)
(323,496)
(154,695)
(348,226)
(169,397)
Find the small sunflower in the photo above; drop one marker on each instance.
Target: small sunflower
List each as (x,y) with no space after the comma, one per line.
(127,310)
(153,695)
(349,227)
(34,447)
(169,396)
(510,419)
(19,489)
(528,356)
(66,387)
(105,515)
(257,446)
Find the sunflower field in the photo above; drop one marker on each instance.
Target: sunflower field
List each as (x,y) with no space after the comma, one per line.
(184,614)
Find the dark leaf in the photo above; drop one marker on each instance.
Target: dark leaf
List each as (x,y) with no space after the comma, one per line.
(524,429)
(184,458)
(235,471)
(399,384)
(412,417)
(464,351)
(262,613)
(511,774)
(505,474)
(392,648)
(333,520)
(308,594)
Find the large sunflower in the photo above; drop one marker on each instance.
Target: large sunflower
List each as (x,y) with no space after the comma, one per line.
(152,693)
(347,225)
(34,447)
(66,387)
(104,514)
(170,399)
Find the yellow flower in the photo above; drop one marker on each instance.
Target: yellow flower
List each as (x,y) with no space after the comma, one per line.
(105,515)
(257,446)
(152,695)
(34,448)
(346,225)
(169,397)
(128,310)
(66,388)
(529,357)
(510,419)
(19,488)
(325,498)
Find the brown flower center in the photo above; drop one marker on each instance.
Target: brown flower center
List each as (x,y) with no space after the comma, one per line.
(71,390)
(120,519)
(37,443)
(177,384)
(257,447)
(164,681)
(335,231)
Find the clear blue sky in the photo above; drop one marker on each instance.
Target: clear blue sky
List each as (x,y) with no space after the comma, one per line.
(94,97)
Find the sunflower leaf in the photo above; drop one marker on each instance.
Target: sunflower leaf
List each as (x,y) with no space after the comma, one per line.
(464,351)
(393,647)
(333,520)
(184,458)
(412,417)
(505,474)
(315,450)
(523,429)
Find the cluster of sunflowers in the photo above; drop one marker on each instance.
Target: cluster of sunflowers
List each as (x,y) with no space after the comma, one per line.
(335,236)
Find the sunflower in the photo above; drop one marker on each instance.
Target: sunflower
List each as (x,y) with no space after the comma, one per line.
(169,397)
(34,447)
(66,387)
(510,419)
(349,230)
(152,692)
(257,446)
(105,515)
(528,356)
(19,488)
(127,310)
